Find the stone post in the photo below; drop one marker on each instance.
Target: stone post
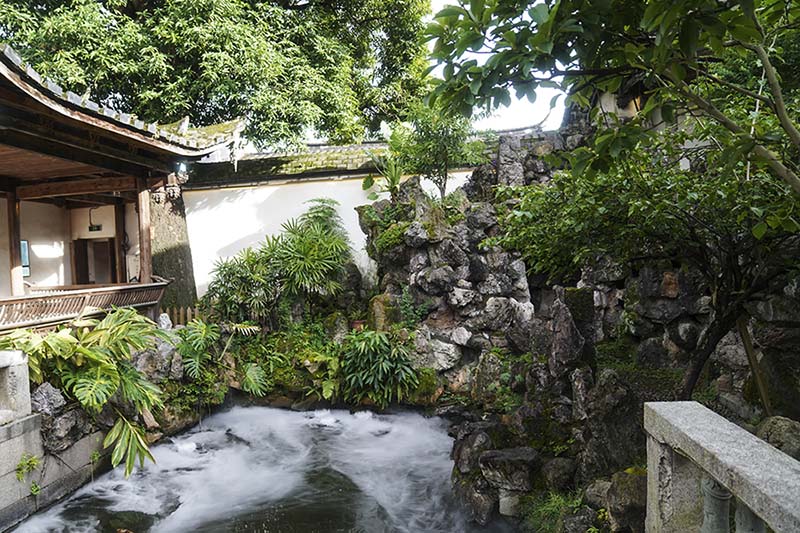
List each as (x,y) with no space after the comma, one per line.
(747,521)
(716,507)
(674,502)
(15,395)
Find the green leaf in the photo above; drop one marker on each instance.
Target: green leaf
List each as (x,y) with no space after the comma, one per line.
(689,35)
(759,230)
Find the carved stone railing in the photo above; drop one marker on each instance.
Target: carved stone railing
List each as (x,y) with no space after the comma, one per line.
(699,463)
(48,306)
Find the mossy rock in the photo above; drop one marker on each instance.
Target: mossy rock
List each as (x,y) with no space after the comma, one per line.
(580,302)
(428,390)
(382,313)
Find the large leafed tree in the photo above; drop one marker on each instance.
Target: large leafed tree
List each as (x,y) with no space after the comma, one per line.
(670,56)
(335,66)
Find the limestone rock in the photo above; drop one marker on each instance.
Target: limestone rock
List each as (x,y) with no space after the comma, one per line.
(627,501)
(581,381)
(578,521)
(480,498)
(416,236)
(509,502)
(436,280)
(510,468)
(164,322)
(567,343)
(62,431)
(558,473)
(433,352)
(596,494)
(468,450)
(155,363)
(381,312)
(47,399)
(783,433)
(615,435)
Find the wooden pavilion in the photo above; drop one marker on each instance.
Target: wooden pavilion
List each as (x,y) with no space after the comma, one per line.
(77,179)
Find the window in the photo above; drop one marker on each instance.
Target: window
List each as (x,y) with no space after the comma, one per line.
(26,259)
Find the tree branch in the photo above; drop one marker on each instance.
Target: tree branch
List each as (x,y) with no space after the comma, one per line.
(777,94)
(784,172)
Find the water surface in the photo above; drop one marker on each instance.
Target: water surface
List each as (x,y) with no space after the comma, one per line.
(257,469)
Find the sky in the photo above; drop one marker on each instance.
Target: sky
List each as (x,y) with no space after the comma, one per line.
(521,113)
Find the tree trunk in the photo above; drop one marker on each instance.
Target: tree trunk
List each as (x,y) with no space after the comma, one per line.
(717,329)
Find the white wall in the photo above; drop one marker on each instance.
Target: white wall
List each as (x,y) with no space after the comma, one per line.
(46,228)
(222,222)
(105,215)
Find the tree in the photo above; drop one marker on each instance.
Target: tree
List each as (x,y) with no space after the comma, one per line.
(738,232)
(337,66)
(665,54)
(434,142)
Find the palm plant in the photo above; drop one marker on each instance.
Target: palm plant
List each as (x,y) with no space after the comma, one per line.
(306,260)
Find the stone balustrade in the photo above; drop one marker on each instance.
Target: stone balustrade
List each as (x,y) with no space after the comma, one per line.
(699,464)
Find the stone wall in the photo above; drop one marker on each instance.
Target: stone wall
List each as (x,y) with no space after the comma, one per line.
(60,445)
(546,383)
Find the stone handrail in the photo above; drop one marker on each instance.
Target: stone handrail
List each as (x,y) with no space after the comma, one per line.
(697,460)
(53,306)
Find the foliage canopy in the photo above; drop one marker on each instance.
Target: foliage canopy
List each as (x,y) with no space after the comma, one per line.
(338,67)
(692,205)
(667,56)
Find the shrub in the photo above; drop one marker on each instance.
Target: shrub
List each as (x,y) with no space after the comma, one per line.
(306,260)
(89,360)
(198,346)
(376,366)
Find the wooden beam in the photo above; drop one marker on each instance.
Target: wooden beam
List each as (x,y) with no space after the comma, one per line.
(119,239)
(14,245)
(145,251)
(21,137)
(75,187)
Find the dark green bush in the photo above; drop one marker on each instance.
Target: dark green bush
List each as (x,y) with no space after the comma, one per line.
(376,366)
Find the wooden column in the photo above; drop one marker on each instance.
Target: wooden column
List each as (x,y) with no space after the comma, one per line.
(145,252)
(14,247)
(119,239)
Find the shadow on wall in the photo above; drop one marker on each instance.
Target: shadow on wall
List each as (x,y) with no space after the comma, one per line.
(222,222)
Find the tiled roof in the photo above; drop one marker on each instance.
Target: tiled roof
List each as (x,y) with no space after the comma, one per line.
(201,138)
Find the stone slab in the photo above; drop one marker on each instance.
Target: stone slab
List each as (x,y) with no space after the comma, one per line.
(12,450)
(12,358)
(73,459)
(765,479)
(23,425)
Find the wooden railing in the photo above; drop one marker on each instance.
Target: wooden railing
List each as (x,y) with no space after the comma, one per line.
(48,306)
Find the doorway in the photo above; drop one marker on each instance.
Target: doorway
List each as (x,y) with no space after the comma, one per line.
(94,261)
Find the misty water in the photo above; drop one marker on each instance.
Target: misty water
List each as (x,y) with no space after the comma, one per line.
(257,469)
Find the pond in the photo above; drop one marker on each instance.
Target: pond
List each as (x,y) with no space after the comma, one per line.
(258,469)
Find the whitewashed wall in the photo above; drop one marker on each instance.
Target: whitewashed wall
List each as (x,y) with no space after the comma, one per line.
(222,222)
(46,228)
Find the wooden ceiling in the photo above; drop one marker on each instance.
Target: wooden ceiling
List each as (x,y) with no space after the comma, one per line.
(25,165)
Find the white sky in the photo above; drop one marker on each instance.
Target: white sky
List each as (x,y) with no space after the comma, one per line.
(520,113)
